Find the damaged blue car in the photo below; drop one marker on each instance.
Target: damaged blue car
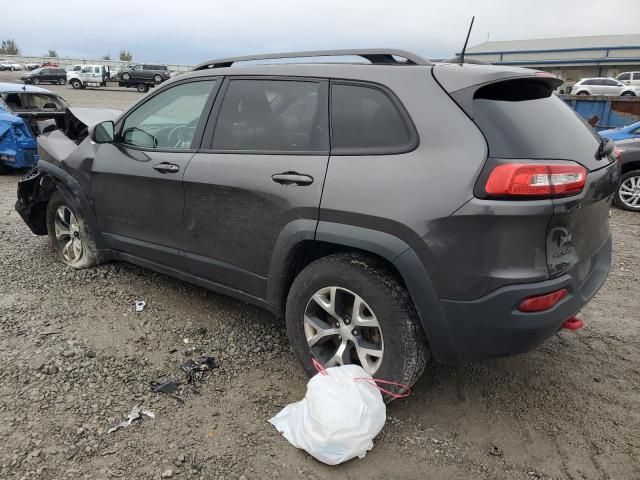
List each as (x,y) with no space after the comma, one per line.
(25,113)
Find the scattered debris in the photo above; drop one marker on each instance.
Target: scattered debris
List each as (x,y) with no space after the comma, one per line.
(167,474)
(495,451)
(50,332)
(136,413)
(168,388)
(108,451)
(140,305)
(115,473)
(195,368)
(186,341)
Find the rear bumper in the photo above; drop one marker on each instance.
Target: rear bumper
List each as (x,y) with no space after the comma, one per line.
(492,326)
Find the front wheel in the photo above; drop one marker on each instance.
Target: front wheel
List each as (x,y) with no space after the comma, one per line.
(62,81)
(126,77)
(75,83)
(69,235)
(157,78)
(36,81)
(142,88)
(350,309)
(583,92)
(628,194)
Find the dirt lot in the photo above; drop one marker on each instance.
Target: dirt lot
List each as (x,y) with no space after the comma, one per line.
(75,358)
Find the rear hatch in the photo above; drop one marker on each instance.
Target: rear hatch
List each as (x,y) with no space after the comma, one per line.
(524,122)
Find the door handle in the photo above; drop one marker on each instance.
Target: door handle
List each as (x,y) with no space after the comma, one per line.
(292,178)
(166,167)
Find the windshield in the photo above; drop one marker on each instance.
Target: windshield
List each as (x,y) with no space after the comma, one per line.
(29,101)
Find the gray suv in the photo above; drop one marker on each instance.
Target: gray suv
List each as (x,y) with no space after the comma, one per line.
(144,72)
(389,211)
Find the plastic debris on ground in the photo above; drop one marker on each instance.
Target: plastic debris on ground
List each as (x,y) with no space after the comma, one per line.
(195,368)
(137,413)
(338,418)
(167,387)
(140,305)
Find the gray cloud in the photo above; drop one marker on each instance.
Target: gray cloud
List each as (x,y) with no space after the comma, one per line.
(188,31)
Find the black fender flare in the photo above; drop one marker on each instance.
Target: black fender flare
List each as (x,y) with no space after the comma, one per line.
(393,249)
(71,188)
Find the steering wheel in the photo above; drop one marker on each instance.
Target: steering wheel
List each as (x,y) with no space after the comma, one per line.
(180,136)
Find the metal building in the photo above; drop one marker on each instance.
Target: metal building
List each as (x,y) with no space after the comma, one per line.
(570,58)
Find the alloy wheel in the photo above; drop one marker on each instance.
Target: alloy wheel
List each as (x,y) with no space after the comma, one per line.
(68,235)
(630,192)
(340,329)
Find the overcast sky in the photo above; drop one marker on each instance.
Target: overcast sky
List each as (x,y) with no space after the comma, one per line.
(189,31)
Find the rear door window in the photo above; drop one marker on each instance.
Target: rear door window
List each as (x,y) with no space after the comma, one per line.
(365,119)
(523,119)
(624,76)
(272,116)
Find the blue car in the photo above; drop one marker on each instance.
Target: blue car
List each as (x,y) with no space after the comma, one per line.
(624,133)
(25,112)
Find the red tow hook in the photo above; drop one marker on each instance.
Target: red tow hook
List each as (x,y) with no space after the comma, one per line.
(574,323)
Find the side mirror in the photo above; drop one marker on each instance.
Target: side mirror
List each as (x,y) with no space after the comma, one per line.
(103,132)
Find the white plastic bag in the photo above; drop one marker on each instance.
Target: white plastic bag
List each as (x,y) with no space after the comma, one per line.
(338,418)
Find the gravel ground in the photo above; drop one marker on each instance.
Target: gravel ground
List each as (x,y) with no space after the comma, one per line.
(75,359)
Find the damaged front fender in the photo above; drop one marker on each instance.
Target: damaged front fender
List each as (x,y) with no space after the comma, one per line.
(34,190)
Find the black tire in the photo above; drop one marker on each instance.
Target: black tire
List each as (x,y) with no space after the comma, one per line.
(583,92)
(405,347)
(36,81)
(142,88)
(635,175)
(88,256)
(126,77)
(157,79)
(628,94)
(75,83)
(62,81)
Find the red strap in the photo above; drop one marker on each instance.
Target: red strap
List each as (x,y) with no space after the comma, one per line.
(318,366)
(405,391)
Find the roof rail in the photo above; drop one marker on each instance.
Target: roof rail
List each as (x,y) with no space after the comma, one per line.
(377,56)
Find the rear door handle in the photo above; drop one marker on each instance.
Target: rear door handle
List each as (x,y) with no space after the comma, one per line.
(292,178)
(165,167)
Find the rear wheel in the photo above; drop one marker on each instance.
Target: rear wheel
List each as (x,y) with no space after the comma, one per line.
(36,81)
(142,88)
(157,78)
(628,194)
(350,309)
(628,94)
(69,235)
(62,81)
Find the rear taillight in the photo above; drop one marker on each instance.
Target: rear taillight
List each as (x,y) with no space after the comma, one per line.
(536,179)
(540,303)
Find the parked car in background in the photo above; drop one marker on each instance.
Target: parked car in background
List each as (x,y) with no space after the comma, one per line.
(380,228)
(31,66)
(10,65)
(147,72)
(629,78)
(628,195)
(45,75)
(624,133)
(50,64)
(25,112)
(603,86)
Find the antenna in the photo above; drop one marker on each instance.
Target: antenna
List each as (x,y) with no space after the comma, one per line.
(466,41)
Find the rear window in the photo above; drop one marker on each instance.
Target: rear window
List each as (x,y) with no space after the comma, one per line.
(523,119)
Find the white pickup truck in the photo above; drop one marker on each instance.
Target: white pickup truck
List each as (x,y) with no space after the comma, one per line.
(89,76)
